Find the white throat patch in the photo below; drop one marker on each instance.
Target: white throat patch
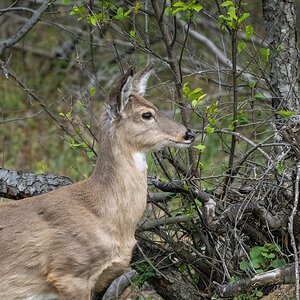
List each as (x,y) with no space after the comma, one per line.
(140,161)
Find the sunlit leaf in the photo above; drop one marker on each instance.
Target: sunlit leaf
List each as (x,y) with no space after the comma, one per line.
(200,147)
(227,3)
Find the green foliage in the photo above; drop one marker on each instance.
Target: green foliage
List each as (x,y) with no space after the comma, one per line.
(260,96)
(232,19)
(240,47)
(249,31)
(200,147)
(145,271)
(265,53)
(242,118)
(263,258)
(212,112)
(92,91)
(121,14)
(209,129)
(285,113)
(196,96)
(132,34)
(105,7)
(187,8)
(256,294)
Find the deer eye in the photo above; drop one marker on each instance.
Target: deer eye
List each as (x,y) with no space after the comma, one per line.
(147,115)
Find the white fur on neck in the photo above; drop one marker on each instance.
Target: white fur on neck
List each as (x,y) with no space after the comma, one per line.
(140,161)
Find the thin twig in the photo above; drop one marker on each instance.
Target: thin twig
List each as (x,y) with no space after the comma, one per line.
(291,232)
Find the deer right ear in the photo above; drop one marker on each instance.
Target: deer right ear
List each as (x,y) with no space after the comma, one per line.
(120,93)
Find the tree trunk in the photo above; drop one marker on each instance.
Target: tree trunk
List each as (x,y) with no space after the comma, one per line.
(280,22)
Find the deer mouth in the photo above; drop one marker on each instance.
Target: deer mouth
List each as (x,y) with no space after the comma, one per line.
(182,144)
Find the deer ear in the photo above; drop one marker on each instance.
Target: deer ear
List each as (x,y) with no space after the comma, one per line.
(126,91)
(119,95)
(140,80)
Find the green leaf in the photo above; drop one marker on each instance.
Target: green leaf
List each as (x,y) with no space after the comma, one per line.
(231,126)
(198,203)
(231,12)
(120,14)
(259,271)
(132,34)
(65,2)
(285,113)
(93,20)
(277,263)
(90,154)
(186,89)
(195,94)
(241,46)
(268,255)
(260,96)
(209,129)
(214,108)
(137,7)
(252,84)
(242,118)
(243,17)
(265,53)
(201,97)
(244,265)
(92,91)
(227,3)
(194,103)
(200,147)
(256,251)
(233,279)
(249,31)
(197,7)
(256,263)
(185,186)
(280,167)
(179,4)
(126,14)
(168,10)
(259,294)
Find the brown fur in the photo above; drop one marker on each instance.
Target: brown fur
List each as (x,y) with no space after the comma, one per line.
(78,238)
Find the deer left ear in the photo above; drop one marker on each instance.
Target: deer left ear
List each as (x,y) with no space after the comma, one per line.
(126,91)
(119,94)
(140,80)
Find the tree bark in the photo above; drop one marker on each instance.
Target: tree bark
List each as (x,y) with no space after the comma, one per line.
(18,185)
(280,22)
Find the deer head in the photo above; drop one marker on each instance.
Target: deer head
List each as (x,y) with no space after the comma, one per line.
(136,122)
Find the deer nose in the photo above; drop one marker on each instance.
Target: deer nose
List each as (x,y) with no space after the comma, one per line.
(190,135)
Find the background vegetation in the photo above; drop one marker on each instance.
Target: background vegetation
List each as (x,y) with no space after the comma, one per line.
(223,211)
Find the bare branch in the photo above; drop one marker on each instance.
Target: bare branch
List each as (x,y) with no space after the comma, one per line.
(277,276)
(291,231)
(25,29)
(148,225)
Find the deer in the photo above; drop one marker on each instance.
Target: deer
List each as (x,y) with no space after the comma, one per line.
(75,240)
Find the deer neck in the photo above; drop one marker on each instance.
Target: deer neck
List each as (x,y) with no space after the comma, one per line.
(119,182)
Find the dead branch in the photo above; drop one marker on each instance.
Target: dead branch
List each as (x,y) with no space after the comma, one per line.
(150,224)
(18,185)
(285,274)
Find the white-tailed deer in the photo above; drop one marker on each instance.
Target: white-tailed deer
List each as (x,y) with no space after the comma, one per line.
(78,238)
